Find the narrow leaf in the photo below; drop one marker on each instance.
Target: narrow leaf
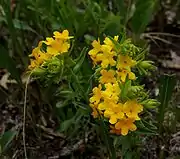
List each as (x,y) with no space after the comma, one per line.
(22,25)
(166,88)
(80,60)
(143,15)
(6,138)
(7,62)
(108,141)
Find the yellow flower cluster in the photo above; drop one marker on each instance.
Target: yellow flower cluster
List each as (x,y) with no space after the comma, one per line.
(54,46)
(115,69)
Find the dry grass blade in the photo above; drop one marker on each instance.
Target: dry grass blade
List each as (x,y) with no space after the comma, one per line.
(69,150)
(24,116)
(159,33)
(50,131)
(160,39)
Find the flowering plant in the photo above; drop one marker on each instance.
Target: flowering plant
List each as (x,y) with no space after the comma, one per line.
(118,97)
(49,58)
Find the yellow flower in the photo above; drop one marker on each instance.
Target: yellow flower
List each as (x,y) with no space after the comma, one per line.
(107,76)
(52,51)
(103,54)
(116,38)
(49,41)
(36,51)
(33,64)
(113,130)
(59,44)
(97,95)
(38,61)
(132,108)
(111,92)
(63,36)
(125,62)
(65,47)
(123,73)
(43,57)
(104,105)
(57,47)
(96,48)
(114,112)
(125,125)
(54,47)
(95,111)
(39,57)
(106,58)
(109,42)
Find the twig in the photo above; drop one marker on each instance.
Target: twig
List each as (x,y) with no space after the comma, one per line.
(160,39)
(50,131)
(159,33)
(54,157)
(153,40)
(68,150)
(15,154)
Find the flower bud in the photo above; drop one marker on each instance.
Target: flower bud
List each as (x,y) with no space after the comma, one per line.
(150,103)
(136,89)
(38,71)
(147,65)
(55,65)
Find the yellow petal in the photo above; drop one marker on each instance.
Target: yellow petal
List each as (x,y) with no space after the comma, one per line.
(120,115)
(52,51)
(131,76)
(133,127)
(96,44)
(49,41)
(116,38)
(107,113)
(123,77)
(108,41)
(56,33)
(124,131)
(113,120)
(65,47)
(105,63)
(101,106)
(93,52)
(65,33)
(118,125)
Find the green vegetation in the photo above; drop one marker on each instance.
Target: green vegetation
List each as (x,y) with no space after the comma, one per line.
(48,109)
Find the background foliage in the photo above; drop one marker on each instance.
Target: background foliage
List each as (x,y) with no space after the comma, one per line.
(61,116)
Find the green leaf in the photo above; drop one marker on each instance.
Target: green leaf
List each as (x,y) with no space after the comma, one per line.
(124,89)
(5,139)
(7,62)
(108,141)
(62,104)
(13,34)
(112,25)
(64,126)
(80,60)
(149,125)
(166,89)
(122,8)
(22,25)
(126,144)
(145,128)
(143,15)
